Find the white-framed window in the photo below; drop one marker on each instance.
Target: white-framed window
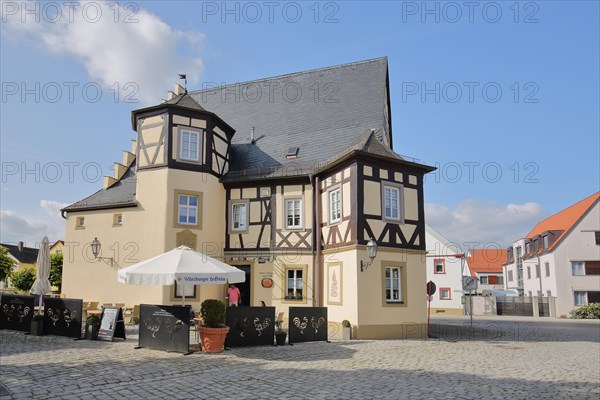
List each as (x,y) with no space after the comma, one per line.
(335,205)
(530,293)
(293,213)
(445,294)
(528,272)
(500,280)
(80,223)
(392,202)
(545,242)
(537,270)
(483,280)
(393,291)
(187,213)
(239,216)
(439,266)
(580,298)
(293,284)
(548,293)
(578,268)
(189,145)
(547,265)
(510,276)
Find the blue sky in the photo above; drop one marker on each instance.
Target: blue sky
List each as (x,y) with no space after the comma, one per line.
(503,97)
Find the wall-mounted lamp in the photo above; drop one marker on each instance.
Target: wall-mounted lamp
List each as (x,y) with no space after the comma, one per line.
(261,260)
(96,247)
(371,252)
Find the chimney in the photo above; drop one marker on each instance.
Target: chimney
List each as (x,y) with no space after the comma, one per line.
(252,136)
(20,247)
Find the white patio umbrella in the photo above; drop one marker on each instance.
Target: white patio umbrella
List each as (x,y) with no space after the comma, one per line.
(182,265)
(41,286)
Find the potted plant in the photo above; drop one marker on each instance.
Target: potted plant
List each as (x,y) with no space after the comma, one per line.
(280,333)
(92,327)
(346,330)
(213,331)
(37,325)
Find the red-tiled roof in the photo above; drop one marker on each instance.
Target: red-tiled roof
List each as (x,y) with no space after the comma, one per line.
(565,219)
(486,260)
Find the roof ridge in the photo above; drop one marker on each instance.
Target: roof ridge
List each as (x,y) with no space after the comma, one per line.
(589,198)
(307,72)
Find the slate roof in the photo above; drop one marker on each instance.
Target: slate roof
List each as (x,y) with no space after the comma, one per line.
(488,260)
(320,111)
(328,113)
(27,256)
(121,194)
(185,101)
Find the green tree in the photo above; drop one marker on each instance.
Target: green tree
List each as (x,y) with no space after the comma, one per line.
(6,263)
(56,266)
(23,279)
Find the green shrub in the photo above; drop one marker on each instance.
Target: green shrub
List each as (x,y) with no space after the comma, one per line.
(93,320)
(213,313)
(23,279)
(346,323)
(591,311)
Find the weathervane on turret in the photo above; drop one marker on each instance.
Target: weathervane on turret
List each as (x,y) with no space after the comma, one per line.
(184,77)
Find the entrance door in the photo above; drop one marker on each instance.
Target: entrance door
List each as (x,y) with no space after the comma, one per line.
(244,286)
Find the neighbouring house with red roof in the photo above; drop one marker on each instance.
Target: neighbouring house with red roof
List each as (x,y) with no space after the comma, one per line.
(567,247)
(486,266)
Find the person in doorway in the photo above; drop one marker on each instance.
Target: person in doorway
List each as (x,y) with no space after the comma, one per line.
(234,295)
(262,304)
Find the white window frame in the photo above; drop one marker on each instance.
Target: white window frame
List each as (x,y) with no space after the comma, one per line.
(299,216)
(399,190)
(510,276)
(448,290)
(435,266)
(335,205)
(187,207)
(582,295)
(547,267)
(243,222)
(579,266)
(182,135)
(483,280)
(500,280)
(397,286)
(295,284)
(545,242)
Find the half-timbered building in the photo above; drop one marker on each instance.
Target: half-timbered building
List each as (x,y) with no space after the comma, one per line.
(287,178)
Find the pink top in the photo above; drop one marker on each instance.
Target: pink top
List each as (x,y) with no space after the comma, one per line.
(234,295)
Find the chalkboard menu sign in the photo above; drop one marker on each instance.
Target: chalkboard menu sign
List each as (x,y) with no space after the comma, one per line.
(62,317)
(112,324)
(16,312)
(165,327)
(307,324)
(250,326)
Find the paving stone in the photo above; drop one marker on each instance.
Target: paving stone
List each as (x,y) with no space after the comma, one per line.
(547,368)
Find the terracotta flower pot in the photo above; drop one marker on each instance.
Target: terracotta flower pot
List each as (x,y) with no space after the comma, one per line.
(212,339)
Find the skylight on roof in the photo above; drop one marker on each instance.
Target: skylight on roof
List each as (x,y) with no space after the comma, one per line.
(292,152)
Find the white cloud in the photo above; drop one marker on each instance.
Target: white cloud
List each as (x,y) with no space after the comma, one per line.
(484,222)
(30,230)
(144,51)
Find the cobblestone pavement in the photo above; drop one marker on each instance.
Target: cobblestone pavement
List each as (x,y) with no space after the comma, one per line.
(60,368)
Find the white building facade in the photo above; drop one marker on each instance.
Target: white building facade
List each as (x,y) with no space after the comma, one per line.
(560,258)
(445,271)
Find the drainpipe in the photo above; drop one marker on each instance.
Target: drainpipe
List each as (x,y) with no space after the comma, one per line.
(318,274)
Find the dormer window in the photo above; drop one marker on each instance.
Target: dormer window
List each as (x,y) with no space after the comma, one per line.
(545,242)
(292,152)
